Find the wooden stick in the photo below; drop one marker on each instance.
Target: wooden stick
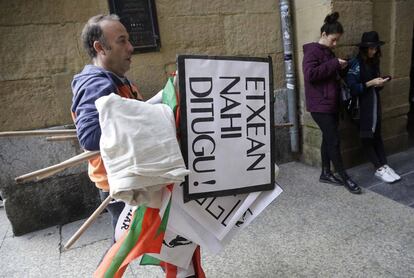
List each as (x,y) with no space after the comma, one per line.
(51,170)
(43,132)
(88,222)
(62,137)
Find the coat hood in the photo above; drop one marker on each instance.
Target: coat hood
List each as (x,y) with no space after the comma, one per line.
(88,72)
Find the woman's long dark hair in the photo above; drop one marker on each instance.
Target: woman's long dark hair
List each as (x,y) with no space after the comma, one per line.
(331,24)
(374,61)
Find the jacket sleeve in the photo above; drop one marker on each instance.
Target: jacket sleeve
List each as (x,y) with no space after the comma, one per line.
(353,80)
(87,117)
(315,71)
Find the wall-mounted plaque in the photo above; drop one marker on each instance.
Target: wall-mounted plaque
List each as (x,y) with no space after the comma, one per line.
(140,20)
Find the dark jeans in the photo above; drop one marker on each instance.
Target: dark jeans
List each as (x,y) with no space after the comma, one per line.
(114,209)
(374,148)
(330,151)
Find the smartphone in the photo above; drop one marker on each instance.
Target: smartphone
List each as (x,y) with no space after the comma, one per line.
(388,77)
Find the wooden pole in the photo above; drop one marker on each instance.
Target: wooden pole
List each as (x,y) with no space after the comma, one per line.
(88,222)
(44,132)
(62,138)
(49,171)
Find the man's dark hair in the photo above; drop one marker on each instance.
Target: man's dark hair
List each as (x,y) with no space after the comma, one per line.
(93,32)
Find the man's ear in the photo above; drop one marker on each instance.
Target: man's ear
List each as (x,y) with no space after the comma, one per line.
(99,47)
(323,35)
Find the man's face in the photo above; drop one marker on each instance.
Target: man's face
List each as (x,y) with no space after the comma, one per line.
(118,50)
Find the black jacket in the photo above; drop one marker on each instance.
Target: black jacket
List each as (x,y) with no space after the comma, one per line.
(369,98)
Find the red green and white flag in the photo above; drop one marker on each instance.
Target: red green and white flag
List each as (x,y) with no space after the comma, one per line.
(173,271)
(147,230)
(145,235)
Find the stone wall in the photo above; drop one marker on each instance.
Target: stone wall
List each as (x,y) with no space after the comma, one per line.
(42,51)
(40,54)
(394,22)
(308,18)
(67,196)
(41,39)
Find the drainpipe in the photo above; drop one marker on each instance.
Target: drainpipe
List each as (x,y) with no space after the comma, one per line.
(284,8)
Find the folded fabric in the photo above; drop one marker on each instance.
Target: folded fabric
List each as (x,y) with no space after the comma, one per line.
(139,149)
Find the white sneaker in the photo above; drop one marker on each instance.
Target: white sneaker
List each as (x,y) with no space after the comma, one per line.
(383,175)
(1,203)
(392,172)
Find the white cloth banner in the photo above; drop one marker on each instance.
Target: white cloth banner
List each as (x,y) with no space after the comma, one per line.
(139,149)
(124,221)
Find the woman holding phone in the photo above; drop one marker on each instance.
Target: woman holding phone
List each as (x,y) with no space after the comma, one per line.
(365,82)
(321,70)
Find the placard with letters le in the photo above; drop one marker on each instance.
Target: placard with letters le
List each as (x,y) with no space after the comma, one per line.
(227,124)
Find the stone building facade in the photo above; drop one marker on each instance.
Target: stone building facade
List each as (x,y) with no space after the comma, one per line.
(41,51)
(394,21)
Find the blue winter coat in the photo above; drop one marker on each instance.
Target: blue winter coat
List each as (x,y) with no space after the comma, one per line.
(89,85)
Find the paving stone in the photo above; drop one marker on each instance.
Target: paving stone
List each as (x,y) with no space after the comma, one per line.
(4,225)
(311,230)
(100,230)
(402,191)
(31,255)
(82,262)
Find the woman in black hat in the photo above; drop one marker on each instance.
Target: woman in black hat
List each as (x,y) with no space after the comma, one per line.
(365,82)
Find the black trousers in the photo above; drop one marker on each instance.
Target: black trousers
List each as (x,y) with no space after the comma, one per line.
(374,148)
(330,147)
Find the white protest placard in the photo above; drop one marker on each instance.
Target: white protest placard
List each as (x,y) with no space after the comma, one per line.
(191,222)
(227,125)
(216,214)
(256,208)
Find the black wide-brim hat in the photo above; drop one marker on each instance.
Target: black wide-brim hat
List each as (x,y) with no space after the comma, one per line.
(370,39)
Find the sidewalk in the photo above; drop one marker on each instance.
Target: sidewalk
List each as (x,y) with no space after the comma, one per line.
(402,191)
(311,230)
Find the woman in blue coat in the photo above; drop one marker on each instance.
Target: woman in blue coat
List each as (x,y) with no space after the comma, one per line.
(365,82)
(321,70)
